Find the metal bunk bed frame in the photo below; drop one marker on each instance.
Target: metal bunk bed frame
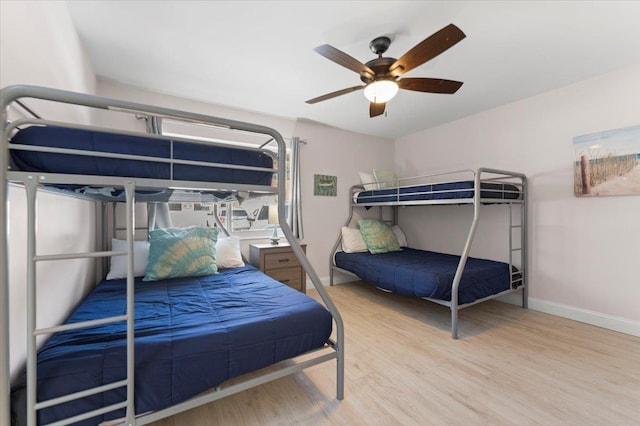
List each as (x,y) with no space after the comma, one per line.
(31,181)
(519,180)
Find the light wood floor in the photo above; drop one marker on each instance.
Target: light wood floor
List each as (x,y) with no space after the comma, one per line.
(509,367)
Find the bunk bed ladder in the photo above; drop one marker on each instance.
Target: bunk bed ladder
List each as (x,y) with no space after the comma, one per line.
(33,405)
(518,227)
(515,277)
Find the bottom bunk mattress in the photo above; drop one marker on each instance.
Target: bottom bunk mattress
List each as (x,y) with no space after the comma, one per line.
(191,335)
(420,273)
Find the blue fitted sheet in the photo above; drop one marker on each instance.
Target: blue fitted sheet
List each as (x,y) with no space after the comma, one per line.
(439,191)
(420,273)
(191,335)
(59,137)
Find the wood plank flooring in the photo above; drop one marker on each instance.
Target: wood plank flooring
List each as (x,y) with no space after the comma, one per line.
(509,367)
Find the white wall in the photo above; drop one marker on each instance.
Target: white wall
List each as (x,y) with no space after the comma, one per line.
(39,46)
(583,251)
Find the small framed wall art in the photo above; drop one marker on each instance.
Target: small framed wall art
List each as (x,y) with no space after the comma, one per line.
(325,185)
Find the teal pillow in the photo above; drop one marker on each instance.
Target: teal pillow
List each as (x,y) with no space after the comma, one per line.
(181,252)
(378,236)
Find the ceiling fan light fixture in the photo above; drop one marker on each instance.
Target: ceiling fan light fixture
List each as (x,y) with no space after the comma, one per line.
(381,91)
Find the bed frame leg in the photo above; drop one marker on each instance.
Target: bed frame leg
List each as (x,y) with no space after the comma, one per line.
(340,376)
(454,322)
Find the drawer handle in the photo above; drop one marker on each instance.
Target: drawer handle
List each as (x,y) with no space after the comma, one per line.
(285,281)
(283,260)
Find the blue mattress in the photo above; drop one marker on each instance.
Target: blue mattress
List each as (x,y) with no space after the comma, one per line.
(420,273)
(439,191)
(191,335)
(59,137)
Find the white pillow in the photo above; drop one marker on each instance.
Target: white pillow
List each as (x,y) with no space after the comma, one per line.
(352,241)
(386,179)
(368,181)
(118,267)
(228,252)
(402,239)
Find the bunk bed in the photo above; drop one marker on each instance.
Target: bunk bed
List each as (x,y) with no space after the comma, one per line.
(135,351)
(456,281)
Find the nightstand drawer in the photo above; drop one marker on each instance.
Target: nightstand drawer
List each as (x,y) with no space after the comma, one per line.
(280,263)
(280,260)
(288,276)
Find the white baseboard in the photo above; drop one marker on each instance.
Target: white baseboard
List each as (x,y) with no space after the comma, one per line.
(598,319)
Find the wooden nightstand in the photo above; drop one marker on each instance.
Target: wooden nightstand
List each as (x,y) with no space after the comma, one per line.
(280,263)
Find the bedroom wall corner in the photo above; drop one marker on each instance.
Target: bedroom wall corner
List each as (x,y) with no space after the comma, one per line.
(581,250)
(335,152)
(39,46)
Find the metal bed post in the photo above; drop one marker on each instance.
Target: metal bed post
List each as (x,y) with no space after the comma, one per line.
(5,369)
(523,230)
(524,268)
(465,254)
(304,261)
(114,231)
(31,189)
(130,193)
(510,245)
(100,235)
(106,241)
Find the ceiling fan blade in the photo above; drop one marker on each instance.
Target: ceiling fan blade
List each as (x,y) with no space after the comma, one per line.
(376,109)
(334,94)
(341,58)
(427,49)
(431,85)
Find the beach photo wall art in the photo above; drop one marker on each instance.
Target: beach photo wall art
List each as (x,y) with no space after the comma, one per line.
(607,163)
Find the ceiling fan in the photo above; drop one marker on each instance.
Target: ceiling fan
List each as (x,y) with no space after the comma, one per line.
(382,76)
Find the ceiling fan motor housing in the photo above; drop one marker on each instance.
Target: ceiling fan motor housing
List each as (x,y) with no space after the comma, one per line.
(380,66)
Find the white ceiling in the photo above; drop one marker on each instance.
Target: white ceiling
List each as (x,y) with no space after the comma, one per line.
(258,55)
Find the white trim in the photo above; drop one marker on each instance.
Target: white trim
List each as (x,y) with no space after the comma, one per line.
(598,319)
(623,325)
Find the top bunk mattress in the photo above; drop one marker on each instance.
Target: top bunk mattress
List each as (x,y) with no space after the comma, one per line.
(191,335)
(439,191)
(101,142)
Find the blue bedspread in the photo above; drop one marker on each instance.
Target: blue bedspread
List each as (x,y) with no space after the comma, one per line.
(191,335)
(420,273)
(439,191)
(59,137)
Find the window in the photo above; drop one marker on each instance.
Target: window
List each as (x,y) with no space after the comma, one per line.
(250,216)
